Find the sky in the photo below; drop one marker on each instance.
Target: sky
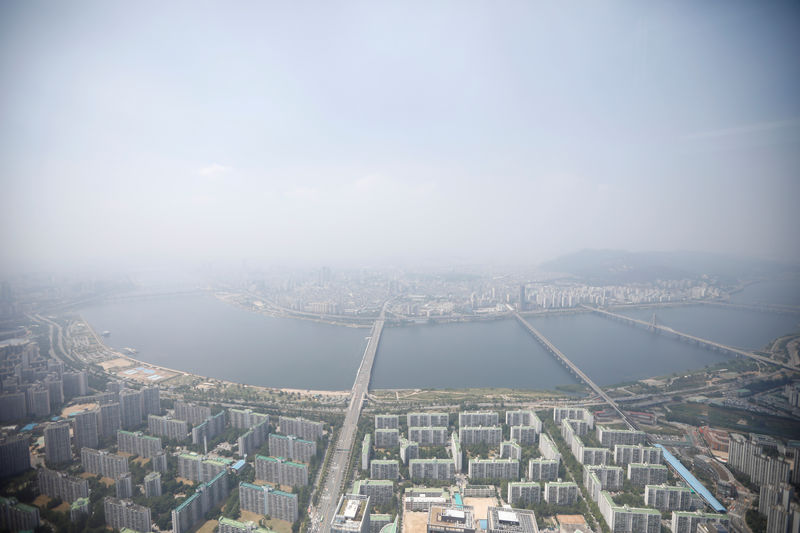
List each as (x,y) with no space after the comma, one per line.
(349,133)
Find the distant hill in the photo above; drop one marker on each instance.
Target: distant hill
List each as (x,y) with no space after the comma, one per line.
(619,266)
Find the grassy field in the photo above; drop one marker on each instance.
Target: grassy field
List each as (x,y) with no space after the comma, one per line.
(464,395)
(734,419)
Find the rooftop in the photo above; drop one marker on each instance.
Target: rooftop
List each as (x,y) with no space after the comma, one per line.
(692,481)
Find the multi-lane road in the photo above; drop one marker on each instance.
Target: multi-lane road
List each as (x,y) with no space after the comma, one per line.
(322,515)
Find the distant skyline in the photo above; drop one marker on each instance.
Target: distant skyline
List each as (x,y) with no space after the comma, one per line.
(344,134)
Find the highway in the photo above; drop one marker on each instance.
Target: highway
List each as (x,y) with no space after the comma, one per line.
(322,515)
(550,347)
(685,336)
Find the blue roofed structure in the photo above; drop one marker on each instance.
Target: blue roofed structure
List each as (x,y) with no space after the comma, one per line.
(692,481)
(238,465)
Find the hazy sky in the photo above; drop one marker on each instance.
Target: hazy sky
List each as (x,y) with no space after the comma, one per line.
(375,132)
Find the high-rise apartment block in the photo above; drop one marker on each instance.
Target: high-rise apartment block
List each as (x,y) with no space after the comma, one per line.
(478,418)
(57,448)
(387,438)
(291,447)
(104,463)
(126,514)
(192,413)
(15,456)
(85,426)
(152,485)
(610,437)
(384,469)
(668,498)
(525,435)
(427,420)
(524,493)
(246,418)
(626,453)
(543,469)
(428,435)
(646,474)
(252,440)
(440,469)
(138,443)
(524,418)
(305,429)
(280,471)
(110,419)
(493,469)
(387,422)
(491,435)
(167,427)
(130,403)
(61,485)
(624,519)
(265,500)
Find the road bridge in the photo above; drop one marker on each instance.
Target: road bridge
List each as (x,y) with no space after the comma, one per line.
(340,458)
(564,360)
(690,338)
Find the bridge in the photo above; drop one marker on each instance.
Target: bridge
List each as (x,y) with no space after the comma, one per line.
(564,360)
(764,308)
(652,326)
(340,458)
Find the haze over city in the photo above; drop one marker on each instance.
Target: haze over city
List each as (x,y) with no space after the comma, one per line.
(359,133)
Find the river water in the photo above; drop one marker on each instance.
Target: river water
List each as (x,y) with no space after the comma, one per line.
(205,336)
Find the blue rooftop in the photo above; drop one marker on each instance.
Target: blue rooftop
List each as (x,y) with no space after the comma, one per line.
(692,481)
(28,427)
(55,419)
(238,464)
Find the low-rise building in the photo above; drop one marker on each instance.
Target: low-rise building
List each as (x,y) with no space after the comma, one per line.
(451,519)
(505,520)
(352,514)
(421,498)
